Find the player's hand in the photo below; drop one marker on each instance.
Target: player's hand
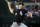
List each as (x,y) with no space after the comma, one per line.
(30,14)
(8,4)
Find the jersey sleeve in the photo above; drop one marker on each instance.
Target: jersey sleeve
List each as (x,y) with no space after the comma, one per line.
(15,11)
(25,11)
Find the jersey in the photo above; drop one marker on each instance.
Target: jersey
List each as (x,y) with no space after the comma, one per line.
(20,13)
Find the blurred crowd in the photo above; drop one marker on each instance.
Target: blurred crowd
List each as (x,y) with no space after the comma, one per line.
(35,11)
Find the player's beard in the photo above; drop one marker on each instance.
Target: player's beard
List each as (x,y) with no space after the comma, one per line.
(19,7)
(16,25)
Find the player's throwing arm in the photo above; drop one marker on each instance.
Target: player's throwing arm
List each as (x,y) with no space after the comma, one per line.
(9,6)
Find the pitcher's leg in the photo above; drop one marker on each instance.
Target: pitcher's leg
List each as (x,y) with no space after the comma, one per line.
(23,25)
(14,24)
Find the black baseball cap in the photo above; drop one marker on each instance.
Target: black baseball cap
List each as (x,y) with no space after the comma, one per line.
(21,3)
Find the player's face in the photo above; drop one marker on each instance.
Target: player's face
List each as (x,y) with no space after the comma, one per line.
(20,6)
